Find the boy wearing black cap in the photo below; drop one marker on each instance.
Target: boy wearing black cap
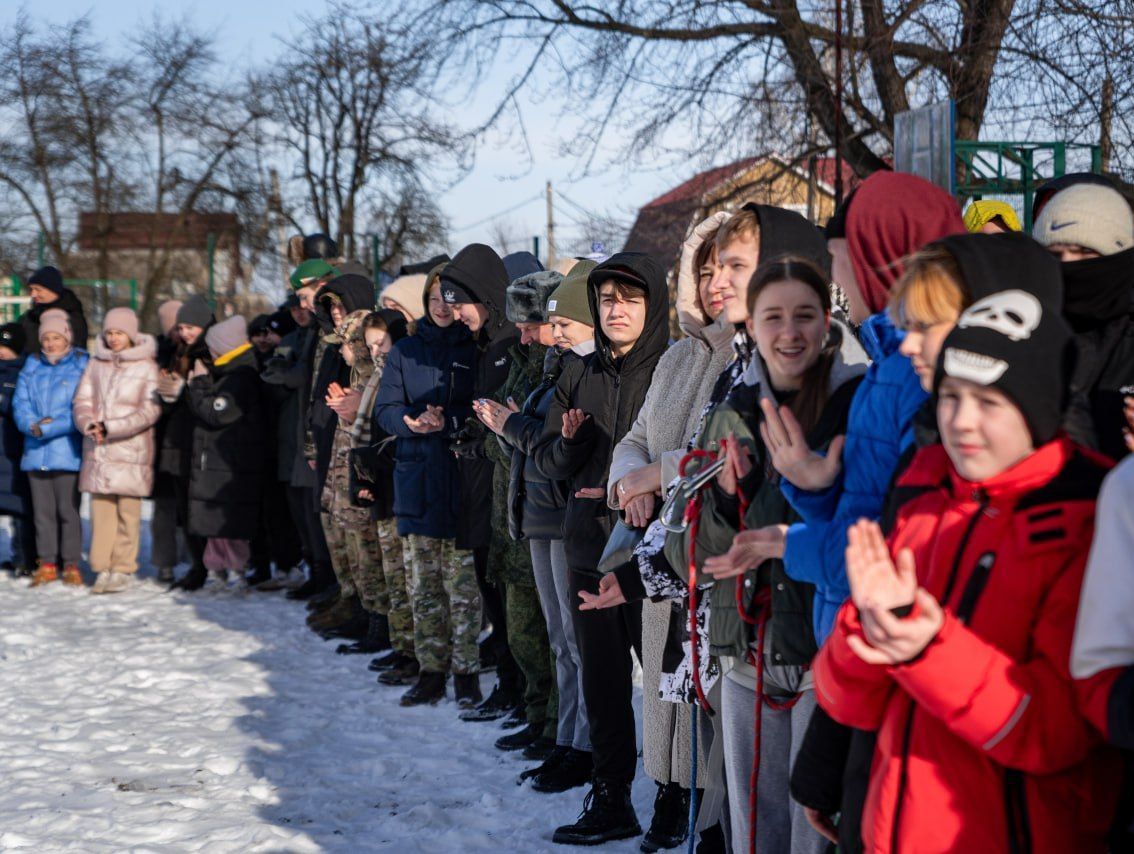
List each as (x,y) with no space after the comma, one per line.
(955,646)
(47,291)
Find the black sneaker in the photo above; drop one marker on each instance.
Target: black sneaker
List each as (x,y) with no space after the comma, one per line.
(573,769)
(429,690)
(517,718)
(520,740)
(194,579)
(607,815)
(498,705)
(548,765)
(540,749)
(670,825)
(386,661)
(466,690)
(404,672)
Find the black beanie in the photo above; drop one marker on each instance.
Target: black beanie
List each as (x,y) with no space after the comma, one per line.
(258,325)
(12,336)
(319,246)
(48,277)
(281,323)
(1012,342)
(195,311)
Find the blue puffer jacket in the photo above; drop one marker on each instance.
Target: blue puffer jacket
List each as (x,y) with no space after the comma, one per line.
(45,390)
(879,429)
(14,496)
(432,366)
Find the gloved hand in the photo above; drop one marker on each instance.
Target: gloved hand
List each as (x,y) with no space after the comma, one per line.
(686,276)
(468,442)
(169,386)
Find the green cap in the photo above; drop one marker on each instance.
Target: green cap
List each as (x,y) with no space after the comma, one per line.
(570,298)
(313,268)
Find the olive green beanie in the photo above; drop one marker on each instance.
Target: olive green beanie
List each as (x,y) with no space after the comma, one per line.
(570,298)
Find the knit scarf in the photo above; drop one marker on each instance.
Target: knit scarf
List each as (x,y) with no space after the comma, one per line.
(1098,290)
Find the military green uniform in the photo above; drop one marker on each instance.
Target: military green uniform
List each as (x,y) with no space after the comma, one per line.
(510,564)
(397,586)
(446,605)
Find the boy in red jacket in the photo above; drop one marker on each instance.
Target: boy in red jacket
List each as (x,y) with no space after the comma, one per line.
(956,642)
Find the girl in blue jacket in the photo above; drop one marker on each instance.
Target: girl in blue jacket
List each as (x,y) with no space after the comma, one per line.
(52,447)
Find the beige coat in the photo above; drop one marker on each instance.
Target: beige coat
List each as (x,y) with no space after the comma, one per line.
(120,391)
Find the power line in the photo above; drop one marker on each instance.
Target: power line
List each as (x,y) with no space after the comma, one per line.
(499,214)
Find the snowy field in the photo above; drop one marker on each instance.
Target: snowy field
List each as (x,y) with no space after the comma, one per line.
(148,721)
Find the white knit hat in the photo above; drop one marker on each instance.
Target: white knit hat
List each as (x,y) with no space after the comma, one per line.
(1087,215)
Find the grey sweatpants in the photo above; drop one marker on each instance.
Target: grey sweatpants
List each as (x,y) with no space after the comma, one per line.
(58,530)
(781,825)
(549,560)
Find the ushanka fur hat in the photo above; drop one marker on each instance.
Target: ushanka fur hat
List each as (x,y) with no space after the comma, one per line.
(527,296)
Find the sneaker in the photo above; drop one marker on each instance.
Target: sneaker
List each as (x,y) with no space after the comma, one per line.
(520,740)
(117,582)
(670,825)
(404,671)
(430,689)
(237,583)
(466,689)
(540,749)
(72,577)
(44,573)
(215,583)
(498,705)
(573,769)
(607,815)
(101,580)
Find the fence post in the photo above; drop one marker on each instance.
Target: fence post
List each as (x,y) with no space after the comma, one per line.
(134,295)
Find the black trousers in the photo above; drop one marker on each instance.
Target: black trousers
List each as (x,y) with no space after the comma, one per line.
(605,638)
(194,543)
(297,505)
(492,602)
(276,540)
(163,526)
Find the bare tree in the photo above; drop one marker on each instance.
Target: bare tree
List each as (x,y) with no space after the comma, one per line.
(349,108)
(738,77)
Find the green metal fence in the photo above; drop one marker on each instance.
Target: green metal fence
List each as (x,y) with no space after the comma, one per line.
(98,296)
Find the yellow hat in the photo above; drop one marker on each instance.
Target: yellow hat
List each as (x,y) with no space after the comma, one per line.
(983,211)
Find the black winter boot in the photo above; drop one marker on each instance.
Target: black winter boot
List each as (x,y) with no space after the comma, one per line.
(388,660)
(540,749)
(670,824)
(466,689)
(517,718)
(377,638)
(194,579)
(573,769)
(324,599)
(607,815)
(499,704)
(354,626)
(520,740)
(548,765)
(404,670)
(430,689)
(322,577)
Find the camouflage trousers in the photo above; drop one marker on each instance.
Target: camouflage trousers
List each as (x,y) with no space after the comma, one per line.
(527,638)
(356,557)
(446,605)
(397,586)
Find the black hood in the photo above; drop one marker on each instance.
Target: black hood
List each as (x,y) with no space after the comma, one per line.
(355,292)
(639,269)
(991,263)
(521,264)
(395,324)
(479,270)
(423,268)
(784,232)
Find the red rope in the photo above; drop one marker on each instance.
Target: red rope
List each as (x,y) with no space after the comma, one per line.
(693,521)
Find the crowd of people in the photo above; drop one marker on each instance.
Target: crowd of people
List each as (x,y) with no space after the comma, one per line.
(864,524)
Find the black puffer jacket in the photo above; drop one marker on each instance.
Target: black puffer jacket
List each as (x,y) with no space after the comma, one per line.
(611,392)
(479,270)
(67,302)
(536,503)
(226,475)
(177,421)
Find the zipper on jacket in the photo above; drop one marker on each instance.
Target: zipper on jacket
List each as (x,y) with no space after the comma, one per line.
(1016,812)
(907,734)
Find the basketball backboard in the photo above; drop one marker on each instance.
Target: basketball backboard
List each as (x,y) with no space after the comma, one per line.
(923,144)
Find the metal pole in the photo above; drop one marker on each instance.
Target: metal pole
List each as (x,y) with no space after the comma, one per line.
(550,230)
(376,264)
(535,247)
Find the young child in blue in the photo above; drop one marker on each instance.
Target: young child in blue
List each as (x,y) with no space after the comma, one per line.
(52,447)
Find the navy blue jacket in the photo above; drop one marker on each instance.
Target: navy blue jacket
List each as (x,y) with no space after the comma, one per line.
(14,496)
(433,366)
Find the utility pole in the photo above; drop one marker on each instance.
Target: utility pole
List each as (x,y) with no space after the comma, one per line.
(1105,117)
(276,205)
(550,231)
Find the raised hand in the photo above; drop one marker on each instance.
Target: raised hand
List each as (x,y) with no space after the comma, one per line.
(572,420)
(749,549)
(790,454)
(889,640)
(875,581)
(609,595)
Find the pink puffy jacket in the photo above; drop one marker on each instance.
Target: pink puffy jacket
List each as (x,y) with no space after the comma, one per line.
(119,390)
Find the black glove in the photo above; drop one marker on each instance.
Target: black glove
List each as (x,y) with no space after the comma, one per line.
(468,442)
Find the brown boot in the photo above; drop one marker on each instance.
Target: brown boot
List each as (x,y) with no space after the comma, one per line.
(71,576)
(44,573)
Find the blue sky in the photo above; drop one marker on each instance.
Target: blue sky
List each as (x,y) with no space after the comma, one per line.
(247,31)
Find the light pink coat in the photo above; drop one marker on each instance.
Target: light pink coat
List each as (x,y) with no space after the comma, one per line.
(119,390)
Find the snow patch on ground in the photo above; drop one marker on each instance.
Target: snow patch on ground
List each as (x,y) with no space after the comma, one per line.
(149,721)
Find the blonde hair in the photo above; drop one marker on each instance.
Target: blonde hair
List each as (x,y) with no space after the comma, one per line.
(743,224)
(930,289)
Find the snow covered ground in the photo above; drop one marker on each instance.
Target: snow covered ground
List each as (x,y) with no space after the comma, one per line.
(149,721)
